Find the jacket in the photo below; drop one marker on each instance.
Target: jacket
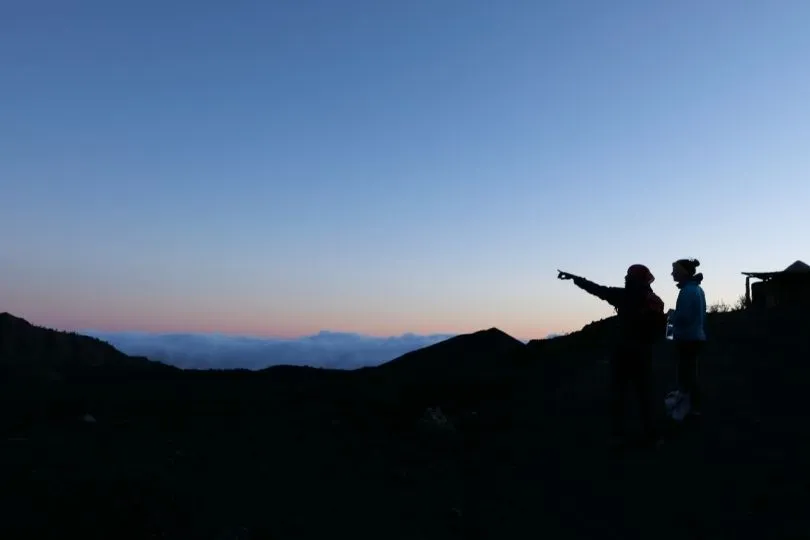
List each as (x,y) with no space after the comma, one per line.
(689,318)
(639,310)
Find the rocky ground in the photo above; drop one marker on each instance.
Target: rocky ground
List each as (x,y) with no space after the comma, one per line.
(477,437)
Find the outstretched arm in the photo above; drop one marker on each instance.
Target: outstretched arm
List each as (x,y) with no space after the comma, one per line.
(611,295)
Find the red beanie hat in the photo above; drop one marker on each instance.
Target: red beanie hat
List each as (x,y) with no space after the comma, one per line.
(639,272)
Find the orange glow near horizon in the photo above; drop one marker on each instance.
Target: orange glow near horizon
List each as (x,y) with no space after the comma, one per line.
(519,330)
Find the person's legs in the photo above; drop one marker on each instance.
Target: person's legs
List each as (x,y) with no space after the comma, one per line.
(643,381)
(618,390)
(688,372)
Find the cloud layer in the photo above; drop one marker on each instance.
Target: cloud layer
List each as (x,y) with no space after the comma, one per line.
(210,351)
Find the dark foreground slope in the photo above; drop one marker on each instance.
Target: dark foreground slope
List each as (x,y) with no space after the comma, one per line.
(479,436)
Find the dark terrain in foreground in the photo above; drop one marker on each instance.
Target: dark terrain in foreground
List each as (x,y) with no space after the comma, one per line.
(307,453)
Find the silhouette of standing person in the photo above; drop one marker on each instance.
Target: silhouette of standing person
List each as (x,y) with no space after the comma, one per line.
(641,322)
(688,321)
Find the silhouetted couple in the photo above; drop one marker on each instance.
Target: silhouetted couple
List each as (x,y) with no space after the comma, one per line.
(642,322)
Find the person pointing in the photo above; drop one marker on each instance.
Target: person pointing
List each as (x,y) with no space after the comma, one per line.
(642,322)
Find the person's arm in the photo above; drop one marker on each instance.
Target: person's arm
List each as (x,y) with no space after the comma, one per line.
(611,295)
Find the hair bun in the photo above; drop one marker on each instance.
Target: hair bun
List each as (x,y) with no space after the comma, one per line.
(690,265)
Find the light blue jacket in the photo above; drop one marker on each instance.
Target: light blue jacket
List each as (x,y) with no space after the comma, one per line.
(689,318)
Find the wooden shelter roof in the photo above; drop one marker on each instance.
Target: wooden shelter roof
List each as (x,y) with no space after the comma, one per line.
(797,268)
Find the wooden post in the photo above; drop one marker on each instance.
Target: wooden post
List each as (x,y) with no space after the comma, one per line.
(747,291)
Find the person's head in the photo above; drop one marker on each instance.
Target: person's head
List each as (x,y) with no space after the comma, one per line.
(638,275)
(684,269)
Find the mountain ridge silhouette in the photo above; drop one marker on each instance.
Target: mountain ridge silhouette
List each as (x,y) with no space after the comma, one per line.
(477,436)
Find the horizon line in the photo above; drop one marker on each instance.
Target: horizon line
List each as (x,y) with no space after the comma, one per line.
(446,335)
(297,336)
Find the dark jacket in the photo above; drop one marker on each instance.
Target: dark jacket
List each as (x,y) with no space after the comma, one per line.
(640,311)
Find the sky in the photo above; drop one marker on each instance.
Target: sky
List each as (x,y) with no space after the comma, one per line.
(380,167)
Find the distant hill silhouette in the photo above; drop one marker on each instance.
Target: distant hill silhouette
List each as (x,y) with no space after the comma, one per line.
(46,373)
(469,351)
(479,436)
(37,351)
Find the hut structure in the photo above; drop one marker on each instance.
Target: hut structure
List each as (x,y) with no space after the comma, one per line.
(786,288)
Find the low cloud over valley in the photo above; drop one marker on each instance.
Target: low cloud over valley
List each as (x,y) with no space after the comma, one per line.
(211,351)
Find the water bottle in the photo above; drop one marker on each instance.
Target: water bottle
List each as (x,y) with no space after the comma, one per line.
(670,329)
